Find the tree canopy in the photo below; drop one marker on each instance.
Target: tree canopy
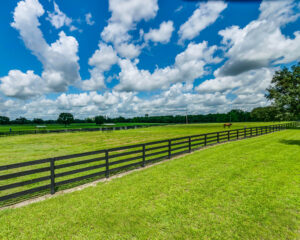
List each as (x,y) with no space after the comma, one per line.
(99,120)
(284,93)
(265,114)
(65,118)
(4,120)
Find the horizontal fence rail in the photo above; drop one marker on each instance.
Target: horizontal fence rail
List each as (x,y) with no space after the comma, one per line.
(53,174)
(44,131)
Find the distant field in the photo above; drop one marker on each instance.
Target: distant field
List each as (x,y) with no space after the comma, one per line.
(32,147)
(241,190)
(24,127)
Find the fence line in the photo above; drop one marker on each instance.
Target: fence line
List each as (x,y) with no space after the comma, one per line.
(102,163)
(44,131)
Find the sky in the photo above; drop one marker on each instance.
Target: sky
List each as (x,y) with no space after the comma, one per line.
(135,57)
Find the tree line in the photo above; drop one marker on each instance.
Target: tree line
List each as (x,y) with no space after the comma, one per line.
(236,115)
(283,95)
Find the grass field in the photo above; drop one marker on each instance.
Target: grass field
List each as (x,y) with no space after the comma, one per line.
(32,147)
(241,190)
(74,143)
(24,127)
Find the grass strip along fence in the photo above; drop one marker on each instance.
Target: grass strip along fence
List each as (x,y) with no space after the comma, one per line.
(72,170)
(44,131)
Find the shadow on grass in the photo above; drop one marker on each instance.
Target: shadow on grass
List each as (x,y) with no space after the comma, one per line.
(291,142)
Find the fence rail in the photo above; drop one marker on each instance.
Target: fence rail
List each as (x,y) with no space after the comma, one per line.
(44,131)
(48,175)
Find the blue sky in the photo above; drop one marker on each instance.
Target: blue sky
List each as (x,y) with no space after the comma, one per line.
(134,57)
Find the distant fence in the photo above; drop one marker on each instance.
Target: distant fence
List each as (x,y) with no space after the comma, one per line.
(61,172)
(44,131)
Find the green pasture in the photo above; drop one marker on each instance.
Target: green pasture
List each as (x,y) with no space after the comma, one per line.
(21,148)
(24,127)
(246,189)
(32,147)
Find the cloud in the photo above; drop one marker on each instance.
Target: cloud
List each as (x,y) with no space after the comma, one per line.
(205,15)
(59,19)
(162,35)
(252,52)
(61,67)
(175,100)
(101,61)
(253,81)
(188,66)
(261,43)
(125,16)
(248,88)
(128,50)
(88,19)
(178,99)
(59,59)
(178,9)
(21,85)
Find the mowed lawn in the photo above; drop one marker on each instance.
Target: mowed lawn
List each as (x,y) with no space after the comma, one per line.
(16,149)
(246,189)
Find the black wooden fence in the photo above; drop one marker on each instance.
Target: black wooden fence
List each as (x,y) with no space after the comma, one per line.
(23,180)
(44,131)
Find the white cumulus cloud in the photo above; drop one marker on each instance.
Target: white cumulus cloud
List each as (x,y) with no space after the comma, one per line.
(261,43)
(162,34)
(205,15)
(59,59)
(88,19)
(101,61)
(21,85)
(188,66)
(125,16)
(59,19)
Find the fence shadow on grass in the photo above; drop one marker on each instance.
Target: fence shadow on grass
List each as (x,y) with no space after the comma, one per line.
(291,142)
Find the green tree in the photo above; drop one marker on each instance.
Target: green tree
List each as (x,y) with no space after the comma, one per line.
(21,120)
(265,114)
(38,121)
(284,92)
(99,120)
(4,120)
(65,118)
(89,120)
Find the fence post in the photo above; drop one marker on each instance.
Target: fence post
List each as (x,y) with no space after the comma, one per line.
(237,134)
(190,146)
(52,175)
(228,134)
(244,132)
(250,132)
(205,139)
(106,164)
(144,156)
(218,137)
(169,150)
